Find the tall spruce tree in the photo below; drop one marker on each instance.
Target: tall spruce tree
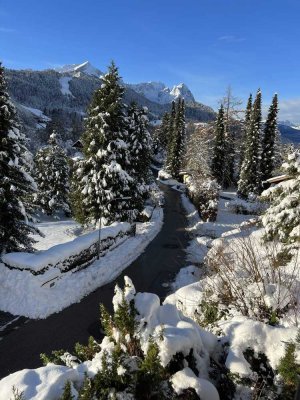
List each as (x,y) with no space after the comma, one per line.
(170,135)
(246,124)
(16,183)
(140,145)
(269,142)
(231,106)
(219,150)
(103,174)
(250,181)
(52,178)
(76,196)
(161,133)
(178,141)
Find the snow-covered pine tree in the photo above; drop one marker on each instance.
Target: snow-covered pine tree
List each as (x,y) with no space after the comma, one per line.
(282,219)
(178,141)
(246,123)
(16,183)
(103,174)
(76,196)
(52,178)
(170,135)
(250,177)
(231,106)
(161,133)
(218,159)
(140,145)
(269,141)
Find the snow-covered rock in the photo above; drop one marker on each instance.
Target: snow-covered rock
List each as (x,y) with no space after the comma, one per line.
(75,69)
(160,93)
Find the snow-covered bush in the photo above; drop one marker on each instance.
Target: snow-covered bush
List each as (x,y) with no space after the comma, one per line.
(282,219)
(258,280)
(204,193)
(240,206)
(289,368)
(150,351)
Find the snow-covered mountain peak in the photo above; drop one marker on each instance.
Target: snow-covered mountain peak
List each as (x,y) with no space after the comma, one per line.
(77,69)
(160,93)
(182,91)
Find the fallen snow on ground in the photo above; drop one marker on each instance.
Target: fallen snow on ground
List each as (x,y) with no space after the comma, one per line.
(186,276)
(64,85)
(28,298)
(37,113)
(203,233)
(55,232)
(165,178)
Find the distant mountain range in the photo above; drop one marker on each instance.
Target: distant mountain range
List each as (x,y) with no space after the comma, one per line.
(58,98)
(289,133)
(62,96)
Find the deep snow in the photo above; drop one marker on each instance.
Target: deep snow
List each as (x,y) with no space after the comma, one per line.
(27,297)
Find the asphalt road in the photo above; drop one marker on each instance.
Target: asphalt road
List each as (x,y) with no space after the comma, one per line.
(159,263)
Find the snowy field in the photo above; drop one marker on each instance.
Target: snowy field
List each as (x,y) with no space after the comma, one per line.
(55,232)
(27,297)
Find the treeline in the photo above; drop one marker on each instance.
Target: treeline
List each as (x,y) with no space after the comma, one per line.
(110,179)
(255,159)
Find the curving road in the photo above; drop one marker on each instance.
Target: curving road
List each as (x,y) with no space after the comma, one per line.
(159,263)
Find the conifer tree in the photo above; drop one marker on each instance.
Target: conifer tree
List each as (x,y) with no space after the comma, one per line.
(178,141)
(52,178)
(269,142)
(140,145)
(282,219)
(16,183)
(170,135)
(161,133)
(218,160)
(231,106)
(245,129)
(76,196)
(67,393)
(250,178)
(103,175)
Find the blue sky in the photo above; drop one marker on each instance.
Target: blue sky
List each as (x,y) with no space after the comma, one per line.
(207,44)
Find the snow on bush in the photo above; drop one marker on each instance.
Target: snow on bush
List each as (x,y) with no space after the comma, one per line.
(204,193)
(260,280)
(243,333)
(149,350)
(240,206)
(282,219)
(186,379)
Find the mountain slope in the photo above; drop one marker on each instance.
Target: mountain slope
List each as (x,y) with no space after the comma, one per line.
(63,96)
(289,134)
